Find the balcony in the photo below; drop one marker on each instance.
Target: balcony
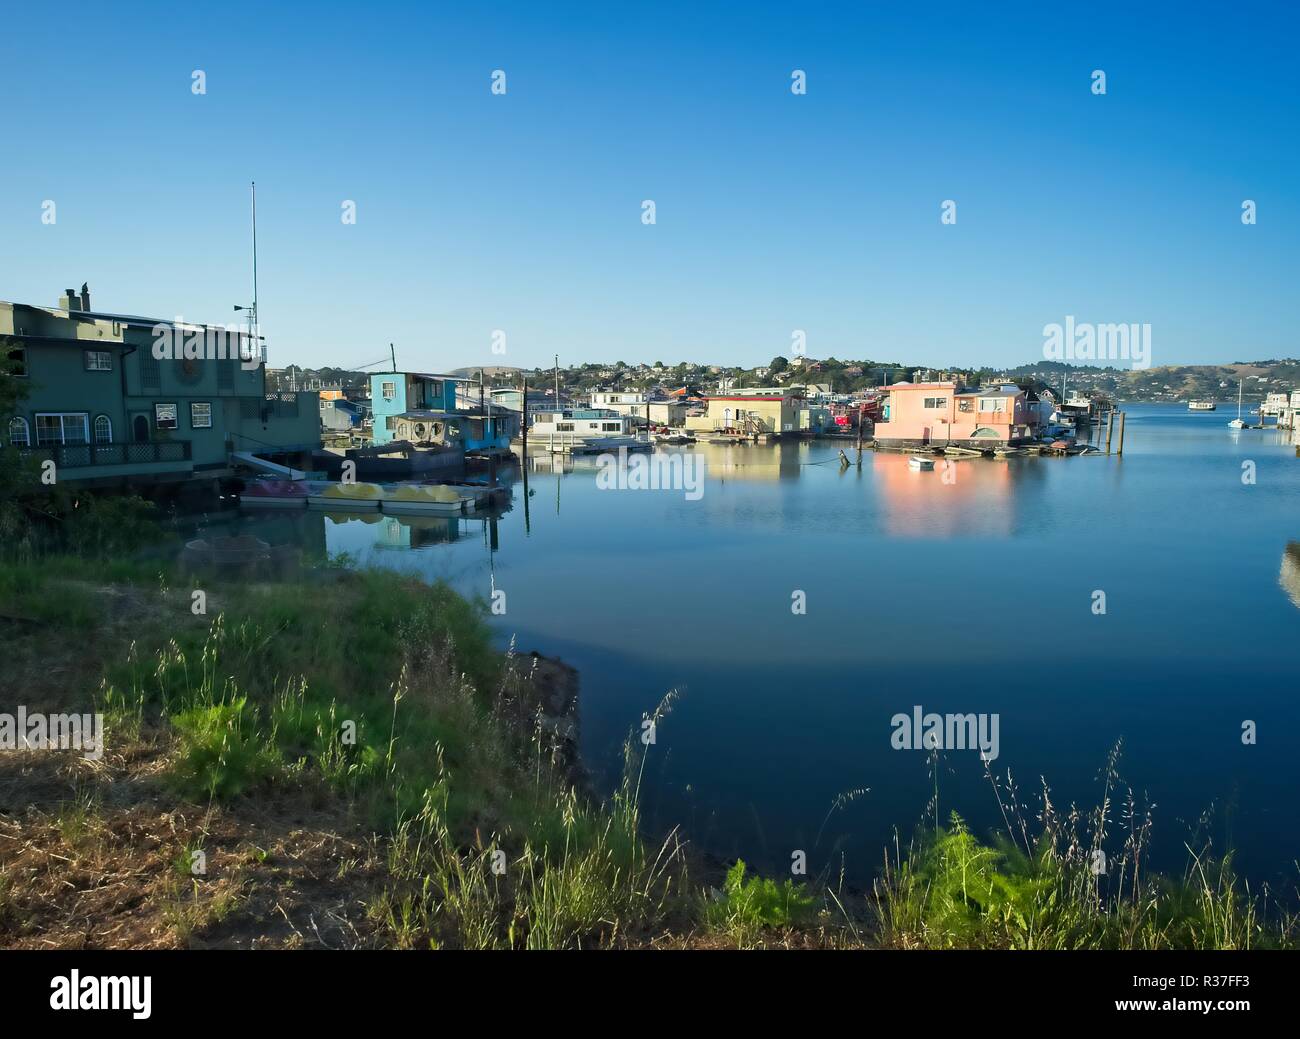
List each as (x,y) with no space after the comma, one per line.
(144,452)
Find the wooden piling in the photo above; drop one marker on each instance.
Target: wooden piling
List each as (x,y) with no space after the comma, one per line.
(1123,415)
(1110,427)
(524,427)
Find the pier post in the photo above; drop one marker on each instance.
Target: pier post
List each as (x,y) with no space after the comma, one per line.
(1110,427)
(1123,415)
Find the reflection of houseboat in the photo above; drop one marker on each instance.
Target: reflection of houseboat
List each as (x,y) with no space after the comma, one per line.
(403,533)
(1289,577)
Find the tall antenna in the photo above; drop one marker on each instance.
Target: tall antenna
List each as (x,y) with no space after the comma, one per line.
(253,186)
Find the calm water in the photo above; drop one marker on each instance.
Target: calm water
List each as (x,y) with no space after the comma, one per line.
(968,596)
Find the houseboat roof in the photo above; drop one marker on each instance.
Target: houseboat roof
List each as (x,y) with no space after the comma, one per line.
(123,319)
(1001,391)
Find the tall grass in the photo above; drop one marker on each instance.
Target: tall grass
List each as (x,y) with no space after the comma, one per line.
(1052,884)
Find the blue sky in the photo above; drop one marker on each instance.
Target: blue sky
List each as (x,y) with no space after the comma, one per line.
(775,212)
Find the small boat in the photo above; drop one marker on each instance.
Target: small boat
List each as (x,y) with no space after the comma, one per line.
(919,464)
(674,437)
(275,494)
(425,499)
(1201,405)
(345,497)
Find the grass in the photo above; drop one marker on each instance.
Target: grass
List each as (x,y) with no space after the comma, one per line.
(378,707)
(745,908)
(1053,885)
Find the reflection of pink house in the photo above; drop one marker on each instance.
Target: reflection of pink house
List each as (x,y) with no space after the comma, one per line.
(944,413)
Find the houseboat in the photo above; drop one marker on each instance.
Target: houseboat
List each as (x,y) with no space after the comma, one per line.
(1200,405)
(582,429)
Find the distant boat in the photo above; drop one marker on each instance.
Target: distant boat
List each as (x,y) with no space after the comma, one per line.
(1201,405)
(919,464)
(1237,423)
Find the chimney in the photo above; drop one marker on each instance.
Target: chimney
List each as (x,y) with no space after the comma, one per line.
(85,296)
(70,300)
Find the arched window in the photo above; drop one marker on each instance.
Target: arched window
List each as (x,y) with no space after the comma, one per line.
(103,429)
(19,434)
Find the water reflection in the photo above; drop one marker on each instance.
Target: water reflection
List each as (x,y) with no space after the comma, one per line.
(1289,577)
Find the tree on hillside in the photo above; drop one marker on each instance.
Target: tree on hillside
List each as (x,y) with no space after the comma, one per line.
(778,365)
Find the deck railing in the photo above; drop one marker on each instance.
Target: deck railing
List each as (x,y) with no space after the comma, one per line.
(127,452)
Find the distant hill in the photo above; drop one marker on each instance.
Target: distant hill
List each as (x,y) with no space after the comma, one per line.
(1172,382)
(1165,383)
(490,371)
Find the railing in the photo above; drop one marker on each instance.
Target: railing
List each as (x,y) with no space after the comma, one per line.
(129,452)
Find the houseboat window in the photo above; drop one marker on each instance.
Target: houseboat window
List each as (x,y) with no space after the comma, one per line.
(150,372)
(564,427)
(390,390)
(993,404)
(164,416)
(611,427)
(61,429)
(18,361)
(200,415)
(19,434)
(103,429)
(936,402)
(99,361)
(963,405)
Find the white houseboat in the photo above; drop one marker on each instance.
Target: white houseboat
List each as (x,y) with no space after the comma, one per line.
(579,430)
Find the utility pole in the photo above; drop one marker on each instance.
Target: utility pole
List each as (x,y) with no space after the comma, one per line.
(557,380)
(392,352)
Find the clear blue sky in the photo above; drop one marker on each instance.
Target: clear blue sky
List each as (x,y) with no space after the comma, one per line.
(775,212)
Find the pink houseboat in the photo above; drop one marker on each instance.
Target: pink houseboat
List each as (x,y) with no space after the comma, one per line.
(940,414)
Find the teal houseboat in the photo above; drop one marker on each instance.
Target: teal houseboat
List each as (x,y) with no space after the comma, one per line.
(421,409)
(114,399)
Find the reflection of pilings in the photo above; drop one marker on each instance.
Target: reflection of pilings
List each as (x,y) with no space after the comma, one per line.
(1289,577)
(494,541)
(523,468)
